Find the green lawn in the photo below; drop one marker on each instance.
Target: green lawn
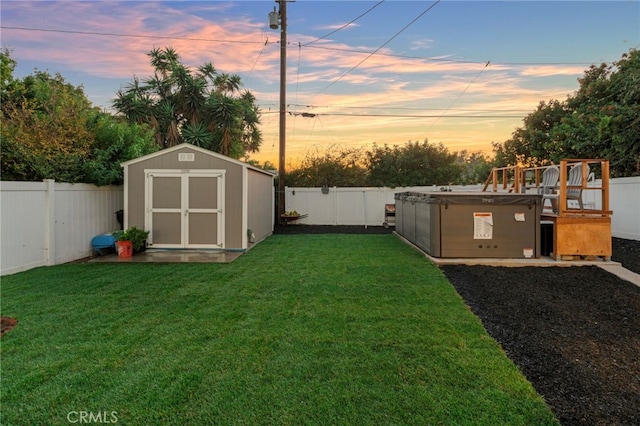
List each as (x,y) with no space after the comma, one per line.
(302,329)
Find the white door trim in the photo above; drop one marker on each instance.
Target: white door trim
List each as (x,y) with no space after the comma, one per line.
(184,209)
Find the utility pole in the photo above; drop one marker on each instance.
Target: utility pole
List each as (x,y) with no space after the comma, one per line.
(273,24)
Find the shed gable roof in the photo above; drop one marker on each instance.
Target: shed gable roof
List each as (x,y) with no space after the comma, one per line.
(175,148)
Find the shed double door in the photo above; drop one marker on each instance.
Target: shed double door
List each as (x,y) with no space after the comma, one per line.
(185,209)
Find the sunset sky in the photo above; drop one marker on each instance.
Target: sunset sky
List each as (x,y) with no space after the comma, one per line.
(460,73)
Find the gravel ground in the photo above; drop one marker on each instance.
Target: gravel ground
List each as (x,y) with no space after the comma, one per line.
(574,332)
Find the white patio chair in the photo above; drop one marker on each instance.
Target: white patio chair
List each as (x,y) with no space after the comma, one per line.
(548,186)
(549,180)
(575,180)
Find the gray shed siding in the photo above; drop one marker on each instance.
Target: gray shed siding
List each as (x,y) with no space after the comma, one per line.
(234,175)
(260,204)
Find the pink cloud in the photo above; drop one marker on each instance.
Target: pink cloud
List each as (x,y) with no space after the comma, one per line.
(550,70)
(382,83)
(197,40)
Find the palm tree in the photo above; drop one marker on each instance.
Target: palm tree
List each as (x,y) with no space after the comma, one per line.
(227,83)
(204,108)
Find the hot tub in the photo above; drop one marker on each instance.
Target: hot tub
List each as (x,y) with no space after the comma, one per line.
(471,224)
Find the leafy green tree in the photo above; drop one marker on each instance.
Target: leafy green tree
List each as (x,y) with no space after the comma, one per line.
(116,141)
(267,165)
(7,66)
(475,167)
(334,167)
(44,132)
(605,118)
(413,164)
(201,107)
(600,121)
(51,131)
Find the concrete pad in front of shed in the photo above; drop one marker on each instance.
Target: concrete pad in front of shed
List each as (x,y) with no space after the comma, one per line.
(175,256)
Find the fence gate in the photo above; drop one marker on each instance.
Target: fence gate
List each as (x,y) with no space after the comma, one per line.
(184,209)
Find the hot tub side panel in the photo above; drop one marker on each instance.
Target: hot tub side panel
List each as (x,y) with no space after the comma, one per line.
(515,231)
(428,221)
(408,220)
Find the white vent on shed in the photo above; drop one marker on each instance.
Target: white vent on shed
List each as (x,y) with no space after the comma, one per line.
(186,156)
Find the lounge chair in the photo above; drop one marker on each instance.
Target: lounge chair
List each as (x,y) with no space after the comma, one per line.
(573,188)
(549,180)
(575,180)
(549,184)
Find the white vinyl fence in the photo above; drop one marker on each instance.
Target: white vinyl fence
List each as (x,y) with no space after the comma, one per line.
(48,223)
(349,206)
(624,200)
(365,206)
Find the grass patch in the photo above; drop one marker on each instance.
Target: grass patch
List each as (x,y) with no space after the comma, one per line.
(302,329)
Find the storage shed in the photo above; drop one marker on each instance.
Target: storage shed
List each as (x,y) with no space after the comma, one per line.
(189,197)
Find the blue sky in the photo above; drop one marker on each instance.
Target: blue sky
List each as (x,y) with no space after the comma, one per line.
(463,73)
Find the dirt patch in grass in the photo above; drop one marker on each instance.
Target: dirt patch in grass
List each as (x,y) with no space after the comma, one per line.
(6,324)
(573,331)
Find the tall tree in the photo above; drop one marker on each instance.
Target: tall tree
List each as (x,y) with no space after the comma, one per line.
(600,120)
(201,107)
(333,167)
(474,167)
(7,66)
(50,130)
(115,141)
(605,118)
(44,132)
(413,164)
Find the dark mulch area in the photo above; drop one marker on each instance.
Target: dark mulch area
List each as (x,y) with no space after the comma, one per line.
(573,331)
(627,252)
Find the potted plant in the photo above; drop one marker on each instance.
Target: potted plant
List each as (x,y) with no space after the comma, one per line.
(133,240)
(124,247)
(138,238)
(291,214)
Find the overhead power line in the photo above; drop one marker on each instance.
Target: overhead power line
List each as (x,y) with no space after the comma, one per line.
(388,108)
(258,57)
(337,114)
(391,55)
(383,45)
(5,27)
(337,49)
(418,115)
(447,60)
(345,25)
(463,92)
